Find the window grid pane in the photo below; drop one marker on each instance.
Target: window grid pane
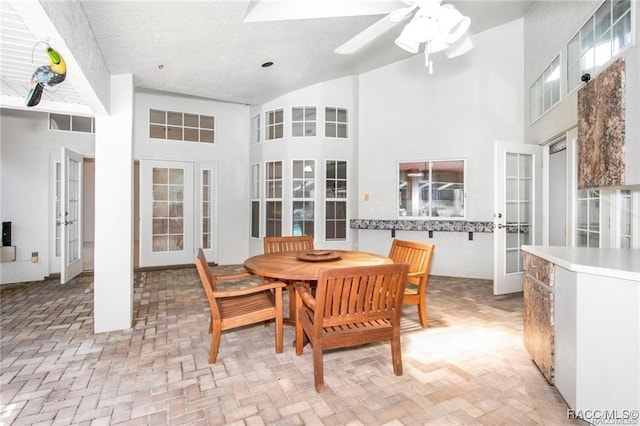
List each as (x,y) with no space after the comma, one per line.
(545,92)
(275,124)
(255,200)
(588,218)
(336,204)
(255,129)
(303,121)
(432,189)
(303,195)
(207,208)
(179,126)
(336,122)
(273,205)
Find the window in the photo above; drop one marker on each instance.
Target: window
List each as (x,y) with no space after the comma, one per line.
(606,33)
(545,92)
(304,191)
(255,129)
(273,197)
(336,200)
(255,200)
(275,124)
(303,121)
(335,122)
(429,189)
(71,123)
(179,126)
(207,208)
(588,230)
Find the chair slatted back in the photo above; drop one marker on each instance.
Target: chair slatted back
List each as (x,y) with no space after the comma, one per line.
(417,255)
(365,293)
(287,243)
(208,282)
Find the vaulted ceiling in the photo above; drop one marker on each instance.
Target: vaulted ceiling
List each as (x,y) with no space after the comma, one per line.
(211,49)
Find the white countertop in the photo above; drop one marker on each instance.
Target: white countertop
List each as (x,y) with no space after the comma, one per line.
(610,262)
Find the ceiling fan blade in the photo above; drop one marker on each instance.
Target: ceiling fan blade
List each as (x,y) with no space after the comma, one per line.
(400,14)
(365,37)
(282,10)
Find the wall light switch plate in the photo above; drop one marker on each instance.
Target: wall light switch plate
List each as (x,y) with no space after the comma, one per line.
(34,257)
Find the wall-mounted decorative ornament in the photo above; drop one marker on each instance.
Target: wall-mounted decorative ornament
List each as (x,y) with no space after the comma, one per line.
(601,129)
(46,75)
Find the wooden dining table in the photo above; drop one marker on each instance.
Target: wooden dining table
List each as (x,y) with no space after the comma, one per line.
(306,266)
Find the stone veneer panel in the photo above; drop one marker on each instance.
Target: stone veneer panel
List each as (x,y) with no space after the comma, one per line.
(538,329)
(601,129)
(539,268)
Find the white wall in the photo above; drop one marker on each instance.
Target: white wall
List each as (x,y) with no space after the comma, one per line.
(26,147)
(230,153)
(457,112)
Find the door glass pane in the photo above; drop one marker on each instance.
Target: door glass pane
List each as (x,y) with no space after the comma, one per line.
(73,211)
(519,214)
(168,210)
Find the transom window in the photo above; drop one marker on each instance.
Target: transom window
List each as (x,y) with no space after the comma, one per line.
(336,200)
(303,121)
(275,124)
(335,122)
(545,92)
(429,189)
(606,34)
(181,126)
(71,123)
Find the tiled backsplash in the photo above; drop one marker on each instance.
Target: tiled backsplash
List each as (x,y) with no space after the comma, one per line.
(422,225)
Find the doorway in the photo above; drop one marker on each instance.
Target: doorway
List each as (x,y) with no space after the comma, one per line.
(88,215)
(558,194)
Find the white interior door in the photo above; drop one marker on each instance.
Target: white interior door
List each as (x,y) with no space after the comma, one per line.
(517,191)
(71,220)
(166,213)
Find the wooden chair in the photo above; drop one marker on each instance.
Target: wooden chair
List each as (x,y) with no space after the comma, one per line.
(236,308)
(286,244)
(352,306)
(419,257)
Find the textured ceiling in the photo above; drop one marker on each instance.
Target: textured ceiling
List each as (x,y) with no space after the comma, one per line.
(204,48)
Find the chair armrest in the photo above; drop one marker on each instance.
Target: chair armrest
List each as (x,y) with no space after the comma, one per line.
(232,276)
(250,290)
(305,295)
(415,274)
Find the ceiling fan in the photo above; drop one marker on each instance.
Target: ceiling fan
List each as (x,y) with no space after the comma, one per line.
(439,27)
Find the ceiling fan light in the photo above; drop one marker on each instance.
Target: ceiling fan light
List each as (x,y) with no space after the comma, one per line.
(452,24)
(460,47)
(422,28)
(407,42)
(436,45)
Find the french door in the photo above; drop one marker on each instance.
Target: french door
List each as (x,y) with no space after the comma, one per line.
(70,215)
(177,212)
(517,191)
